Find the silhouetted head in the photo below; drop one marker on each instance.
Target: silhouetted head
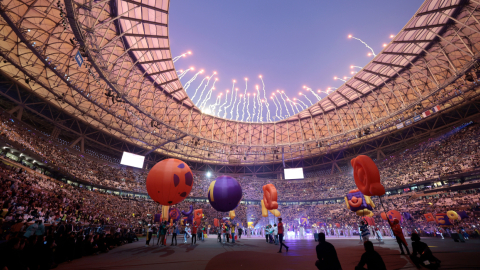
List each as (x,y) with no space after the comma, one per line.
(368,246)
(321,237)
(395,221)
(415,237)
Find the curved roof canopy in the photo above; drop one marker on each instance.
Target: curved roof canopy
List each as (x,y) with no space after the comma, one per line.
(128,85)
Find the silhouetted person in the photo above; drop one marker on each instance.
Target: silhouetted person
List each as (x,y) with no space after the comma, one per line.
(422,249)
(371,258)
(327,255)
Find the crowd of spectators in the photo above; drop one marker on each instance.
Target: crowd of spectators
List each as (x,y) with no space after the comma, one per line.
(49,222)
(454,152)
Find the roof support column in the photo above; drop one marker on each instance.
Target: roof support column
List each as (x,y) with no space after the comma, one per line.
(380,155)
(80,140)
(55,132)
(19,110)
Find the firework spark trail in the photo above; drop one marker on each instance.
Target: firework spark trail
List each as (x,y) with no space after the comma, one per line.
(330,90)
(233,107)
(313,92)
(279,105)
(244,99)
(266,100)
(187,84)
(307,98)
(343,80)
(304,104)
(205,87)
(373,52)
(217,102)
(184,73)
(254,107)
(293,108)
(276,107)
(284,102)
(248,106)
(356,67)
(288,99)
(238,105)
(231,99)
(244,104)
(298,107)
(209,94)
(199,87)
(260,106)
(176,58)
(226,99)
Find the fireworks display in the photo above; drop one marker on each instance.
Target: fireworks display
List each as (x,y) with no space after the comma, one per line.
(234,109)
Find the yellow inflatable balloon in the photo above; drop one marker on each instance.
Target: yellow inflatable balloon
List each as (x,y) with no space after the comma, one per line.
(275,212)
(364,212)
(165,209)
(452,215)
(231,214)
(264,210)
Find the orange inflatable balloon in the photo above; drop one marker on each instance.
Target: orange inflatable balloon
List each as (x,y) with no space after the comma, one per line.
(216,223)
(337,224)
(392,214)
(197,215)
(367,177)
(169,181)
(270,197)
(429,217)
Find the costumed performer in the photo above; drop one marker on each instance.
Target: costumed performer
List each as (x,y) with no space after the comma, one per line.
(397,231)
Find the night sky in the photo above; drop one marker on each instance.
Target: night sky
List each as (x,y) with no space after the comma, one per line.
(289,43)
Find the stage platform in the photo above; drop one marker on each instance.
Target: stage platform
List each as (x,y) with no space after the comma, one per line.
(255,253)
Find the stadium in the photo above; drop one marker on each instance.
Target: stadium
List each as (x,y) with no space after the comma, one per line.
(92,101)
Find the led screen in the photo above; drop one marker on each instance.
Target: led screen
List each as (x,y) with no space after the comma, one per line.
(133,160)
(296,173)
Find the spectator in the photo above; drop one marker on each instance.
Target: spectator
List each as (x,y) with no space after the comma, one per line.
(371,258)
(327,255)
(421,253)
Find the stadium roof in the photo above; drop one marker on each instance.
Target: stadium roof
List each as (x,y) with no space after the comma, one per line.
(128,86)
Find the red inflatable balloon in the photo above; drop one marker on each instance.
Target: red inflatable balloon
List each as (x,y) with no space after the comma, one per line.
(169,181)
(367,177)
(337,224)
(369,220)
(270,197)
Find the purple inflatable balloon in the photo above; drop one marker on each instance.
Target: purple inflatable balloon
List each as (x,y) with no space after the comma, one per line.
(224,193)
